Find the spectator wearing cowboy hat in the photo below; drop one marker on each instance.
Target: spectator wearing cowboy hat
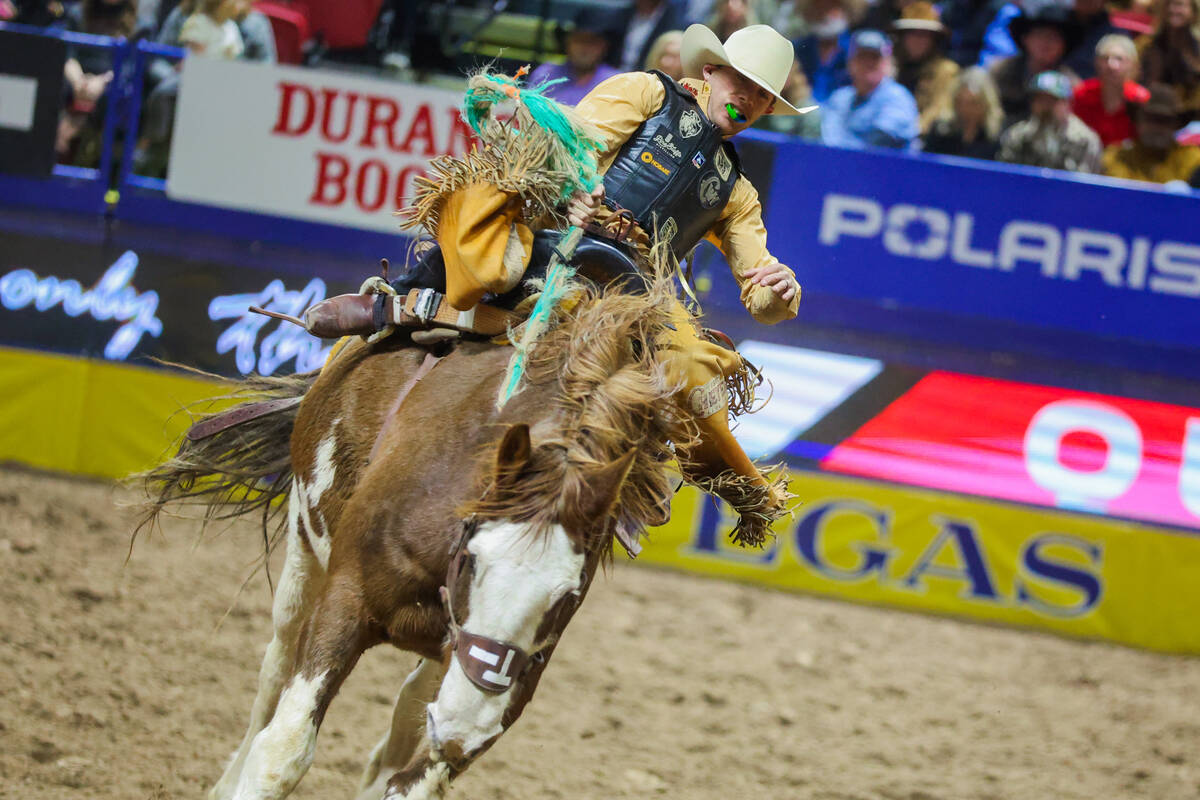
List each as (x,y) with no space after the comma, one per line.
(1044,38)
(823,51)
(1154,155)
(1103,102)
(874,110)
(922,69)
(1052,137)
(586,44)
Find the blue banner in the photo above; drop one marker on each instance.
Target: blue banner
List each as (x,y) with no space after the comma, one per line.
(1076,254)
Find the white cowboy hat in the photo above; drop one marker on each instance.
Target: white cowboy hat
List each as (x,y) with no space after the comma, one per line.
(759,52)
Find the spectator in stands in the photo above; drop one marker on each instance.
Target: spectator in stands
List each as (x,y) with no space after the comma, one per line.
(1103,102)
(1052,137)
(1171,54)
(664,54)
(649,20)
(40,13)
(822,53)
(1044,38)
(923,70)
(968,22)
(971,127)
(1094,24)
(882,13)
(1155,155)
(797,92)
(585,45)
(874,110)
(732,15)
(253,27)
(88,71)
(209,36)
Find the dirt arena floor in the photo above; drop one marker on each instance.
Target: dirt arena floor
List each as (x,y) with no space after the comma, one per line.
(119,683)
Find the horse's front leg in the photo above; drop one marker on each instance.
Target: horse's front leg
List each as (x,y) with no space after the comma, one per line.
(518,581)
(406,735)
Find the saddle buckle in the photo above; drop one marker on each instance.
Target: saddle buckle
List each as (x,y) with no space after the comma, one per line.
(426,305)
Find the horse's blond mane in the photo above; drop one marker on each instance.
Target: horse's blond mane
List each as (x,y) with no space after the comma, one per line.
(610,392)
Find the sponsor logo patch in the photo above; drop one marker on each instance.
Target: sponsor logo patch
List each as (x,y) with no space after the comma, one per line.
(723,164)
(689,123)
(710,190)
(667,143)
(668,230)
(698,160)
(649,158)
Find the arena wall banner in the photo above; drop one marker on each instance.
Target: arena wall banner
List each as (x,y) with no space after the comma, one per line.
(929,551)
(306,143)
(1092,255)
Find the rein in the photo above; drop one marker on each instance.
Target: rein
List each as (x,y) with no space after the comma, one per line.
(491,664)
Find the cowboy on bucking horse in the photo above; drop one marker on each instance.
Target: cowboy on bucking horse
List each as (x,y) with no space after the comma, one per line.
(670,177)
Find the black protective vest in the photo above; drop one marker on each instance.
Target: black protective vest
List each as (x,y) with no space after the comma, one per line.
(675,173)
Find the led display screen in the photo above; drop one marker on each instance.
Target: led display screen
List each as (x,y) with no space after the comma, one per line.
(1034,444)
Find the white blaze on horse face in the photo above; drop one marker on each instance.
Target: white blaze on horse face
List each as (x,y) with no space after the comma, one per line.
(518,577)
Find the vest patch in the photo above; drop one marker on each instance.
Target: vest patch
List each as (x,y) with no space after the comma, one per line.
(724,165)
(668,230)
(689,124)
(698,160)
(667,142)
(710,190)
(649,158)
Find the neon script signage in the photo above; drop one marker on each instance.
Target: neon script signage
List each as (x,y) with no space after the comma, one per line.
(112,298)
(284,343)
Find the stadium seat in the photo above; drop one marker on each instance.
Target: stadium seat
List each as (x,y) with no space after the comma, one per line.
(342,24)
(290,25)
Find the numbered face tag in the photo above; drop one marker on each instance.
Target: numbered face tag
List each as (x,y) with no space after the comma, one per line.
(491,665)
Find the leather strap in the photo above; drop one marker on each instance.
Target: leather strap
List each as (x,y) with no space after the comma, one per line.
(424,369)
(494,665)
(236,416)
(428,307)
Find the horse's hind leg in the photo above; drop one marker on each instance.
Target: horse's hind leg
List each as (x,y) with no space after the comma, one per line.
(295,596)
(400,743)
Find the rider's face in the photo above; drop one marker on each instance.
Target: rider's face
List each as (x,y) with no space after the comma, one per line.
(728,86)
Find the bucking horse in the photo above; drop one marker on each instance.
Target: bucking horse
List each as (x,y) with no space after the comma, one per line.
(420,512)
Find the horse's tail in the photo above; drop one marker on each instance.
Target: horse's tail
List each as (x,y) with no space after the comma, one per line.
(236,461)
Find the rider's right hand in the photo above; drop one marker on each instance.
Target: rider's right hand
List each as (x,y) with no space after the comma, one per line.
(582,207)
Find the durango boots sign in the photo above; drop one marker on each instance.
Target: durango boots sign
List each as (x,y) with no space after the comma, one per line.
(306,143)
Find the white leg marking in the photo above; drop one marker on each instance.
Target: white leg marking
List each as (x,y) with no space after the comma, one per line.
(292,599)
(517,579)
(432,786)
(283,751)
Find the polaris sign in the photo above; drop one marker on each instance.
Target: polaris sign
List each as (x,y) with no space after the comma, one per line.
(880,238)
(931,234)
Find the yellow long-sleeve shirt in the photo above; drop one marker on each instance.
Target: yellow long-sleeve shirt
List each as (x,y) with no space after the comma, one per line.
(617,107)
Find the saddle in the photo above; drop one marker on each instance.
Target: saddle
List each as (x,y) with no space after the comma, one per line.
(417,300)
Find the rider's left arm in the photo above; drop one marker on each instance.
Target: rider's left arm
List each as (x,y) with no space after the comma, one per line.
(769,289)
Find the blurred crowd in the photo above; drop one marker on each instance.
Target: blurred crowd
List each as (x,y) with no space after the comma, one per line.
(1073,85)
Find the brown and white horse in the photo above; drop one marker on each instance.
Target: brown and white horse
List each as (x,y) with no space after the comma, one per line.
(400,488)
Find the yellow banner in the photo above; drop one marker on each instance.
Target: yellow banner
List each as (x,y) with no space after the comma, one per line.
(91,417)
(1073,574)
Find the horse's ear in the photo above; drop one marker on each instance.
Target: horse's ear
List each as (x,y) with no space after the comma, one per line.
(512,454)
(603,487)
